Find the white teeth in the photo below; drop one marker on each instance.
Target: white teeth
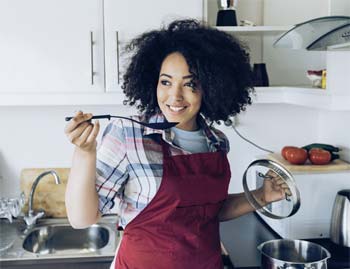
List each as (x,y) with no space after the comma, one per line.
(177,108)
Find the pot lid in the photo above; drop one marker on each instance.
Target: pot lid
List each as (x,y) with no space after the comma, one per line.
(316,34)
(255,176)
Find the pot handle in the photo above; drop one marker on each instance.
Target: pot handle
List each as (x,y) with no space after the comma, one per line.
(259,247)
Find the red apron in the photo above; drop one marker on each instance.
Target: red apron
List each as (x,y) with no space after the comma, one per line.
(179,228)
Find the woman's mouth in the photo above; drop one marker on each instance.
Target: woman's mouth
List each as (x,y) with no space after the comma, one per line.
(176,109)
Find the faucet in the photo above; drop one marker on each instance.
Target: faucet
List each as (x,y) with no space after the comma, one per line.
(32,217)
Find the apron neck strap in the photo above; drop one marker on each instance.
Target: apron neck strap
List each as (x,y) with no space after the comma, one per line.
(165,148)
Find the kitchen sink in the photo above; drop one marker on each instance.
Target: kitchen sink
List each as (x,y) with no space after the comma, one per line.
(61,239)
(53,239)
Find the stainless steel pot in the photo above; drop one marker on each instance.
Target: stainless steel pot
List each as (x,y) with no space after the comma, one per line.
(293,254)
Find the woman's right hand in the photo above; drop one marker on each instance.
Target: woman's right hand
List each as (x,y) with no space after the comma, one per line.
(82,133)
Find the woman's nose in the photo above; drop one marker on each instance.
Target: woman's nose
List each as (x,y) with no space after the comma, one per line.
(176,93)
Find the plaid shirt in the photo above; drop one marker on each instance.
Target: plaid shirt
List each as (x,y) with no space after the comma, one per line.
(129,164)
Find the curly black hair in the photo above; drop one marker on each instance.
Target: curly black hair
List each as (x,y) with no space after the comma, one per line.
(216,59)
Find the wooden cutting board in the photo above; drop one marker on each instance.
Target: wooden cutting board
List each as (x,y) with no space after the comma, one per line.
(336,165)
(48,195)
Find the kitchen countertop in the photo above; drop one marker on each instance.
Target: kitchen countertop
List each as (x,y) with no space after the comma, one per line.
(241,237)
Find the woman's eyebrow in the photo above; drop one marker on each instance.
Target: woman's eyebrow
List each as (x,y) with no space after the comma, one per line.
(184,77)
(166,75)
(188,76)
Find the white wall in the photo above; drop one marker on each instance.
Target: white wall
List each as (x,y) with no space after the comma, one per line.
(271,127)
(34,137)
(335,126)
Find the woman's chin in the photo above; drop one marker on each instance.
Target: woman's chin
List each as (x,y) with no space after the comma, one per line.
(171,117)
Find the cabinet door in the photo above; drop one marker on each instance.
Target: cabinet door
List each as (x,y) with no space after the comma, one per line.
(51,46)
(126,19)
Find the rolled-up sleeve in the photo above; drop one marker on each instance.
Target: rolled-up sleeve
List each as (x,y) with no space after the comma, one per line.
(111,168)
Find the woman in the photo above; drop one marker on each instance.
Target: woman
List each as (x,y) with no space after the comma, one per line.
(169,187)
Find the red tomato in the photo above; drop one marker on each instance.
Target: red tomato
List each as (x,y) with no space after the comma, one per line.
(319,156)
(285,149)
(296,156)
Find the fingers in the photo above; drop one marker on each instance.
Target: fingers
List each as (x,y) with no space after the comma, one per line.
(271,173)
(80,140)
(79,118)
(95,130)
(78,131)
(81,132)
(280,185)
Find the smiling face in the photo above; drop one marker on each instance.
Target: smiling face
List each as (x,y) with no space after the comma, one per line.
(179,95)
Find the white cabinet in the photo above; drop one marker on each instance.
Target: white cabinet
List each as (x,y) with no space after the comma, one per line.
(126,19)
(61,52)
(287,68)
(51,46)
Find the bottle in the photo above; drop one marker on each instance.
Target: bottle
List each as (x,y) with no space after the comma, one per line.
(324,79)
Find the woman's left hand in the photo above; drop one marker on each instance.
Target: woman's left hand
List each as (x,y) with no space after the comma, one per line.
(274,188)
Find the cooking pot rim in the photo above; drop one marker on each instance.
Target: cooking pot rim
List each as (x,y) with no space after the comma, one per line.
(260,248)
(295,263)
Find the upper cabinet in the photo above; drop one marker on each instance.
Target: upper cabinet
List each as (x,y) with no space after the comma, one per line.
(124,20)
(51,46)
(62,52)
(286,68)
(71,52)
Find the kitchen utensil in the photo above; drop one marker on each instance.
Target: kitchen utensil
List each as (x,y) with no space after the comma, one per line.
(227,13)
(155,125)
(260,75)
(11,207)
(253,178)
(334,38)
(305,33)
(298,254)
(340,222)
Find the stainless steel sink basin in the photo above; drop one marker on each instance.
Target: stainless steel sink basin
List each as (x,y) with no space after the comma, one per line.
(60,239)
(54,239)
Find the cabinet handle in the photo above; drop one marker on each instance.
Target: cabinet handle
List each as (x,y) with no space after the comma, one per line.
(117,47)
(92,57)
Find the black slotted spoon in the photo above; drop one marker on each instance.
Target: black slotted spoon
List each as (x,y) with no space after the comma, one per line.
(155,125)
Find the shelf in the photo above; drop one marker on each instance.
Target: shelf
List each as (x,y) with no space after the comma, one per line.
(334,166)
(46,99)
(302,96)
(254,29)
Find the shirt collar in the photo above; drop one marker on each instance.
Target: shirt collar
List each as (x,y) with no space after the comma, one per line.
(156,118)
(212,138)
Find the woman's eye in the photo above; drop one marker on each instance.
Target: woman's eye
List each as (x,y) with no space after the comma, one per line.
(191,84)
(165,82)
